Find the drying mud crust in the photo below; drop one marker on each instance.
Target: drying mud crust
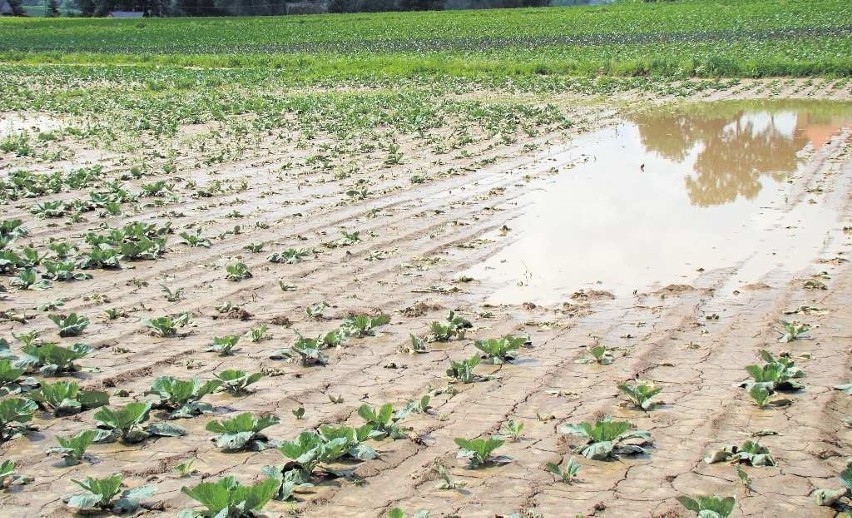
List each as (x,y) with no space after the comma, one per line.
(740,218)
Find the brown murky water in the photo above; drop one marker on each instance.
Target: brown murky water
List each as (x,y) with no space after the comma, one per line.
(667,193)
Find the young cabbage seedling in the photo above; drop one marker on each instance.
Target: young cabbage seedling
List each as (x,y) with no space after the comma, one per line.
(236,382)
(500,350)
(383,421)
(417,345)
(512,429)
(224,345)
(454,327)
(479,451)
(15,416)
(51,359)
(566,474)
(640,394)
(360,326)
(463,370)
(607,439)
(172,295)
(65,398)
(167,326)
(242,432)
(73,449)
(71,325)
(237,271)
(709,506)
(181,398)
(290,255)
(125,424)
(777,374)
(751,453)
(598,354)
(832,497)
(793,331)
(11,381)
(227,498)
(99,494)
(256,334)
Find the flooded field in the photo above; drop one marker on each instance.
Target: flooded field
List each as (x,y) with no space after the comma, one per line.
(494,266)
(667,194)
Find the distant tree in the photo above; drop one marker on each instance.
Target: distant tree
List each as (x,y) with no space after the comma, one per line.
(420,5)
(53,8)
(17,7)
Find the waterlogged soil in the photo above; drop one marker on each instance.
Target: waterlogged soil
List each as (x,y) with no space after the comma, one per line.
(668,193)
(692,233)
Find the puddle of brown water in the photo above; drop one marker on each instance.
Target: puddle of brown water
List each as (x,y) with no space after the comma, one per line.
(664,193)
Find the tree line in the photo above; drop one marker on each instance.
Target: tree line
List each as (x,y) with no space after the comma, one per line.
(280,7)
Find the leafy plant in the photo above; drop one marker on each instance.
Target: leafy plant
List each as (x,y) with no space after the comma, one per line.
(256,334)
(513,429)
(763,397)
(360,326)
(751,453)
(227,498)
(196,239)
(396,512)
(126,424)
(224,345)
(566,474)
(100,494)
(793,331)
(463,370)
(15,415)
(640,394)
(777,374)
(607,439)
(242,432)
(71,325)
(479,451)
(314,311)
(454,326)
(185,468)
(51,359)
(709,506)
(236,382)
(65,398)
(27,279)
(8,475)
(830,497)
(383,421)
(417,345)
(181,398)
(290,255)
(500,350)
(167,326)
(11,381)
(172,295)
(598,354)
(237,271)
(73,449)
(306,349)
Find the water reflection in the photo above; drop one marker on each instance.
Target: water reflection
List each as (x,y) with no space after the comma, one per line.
(651,200)
(735,144)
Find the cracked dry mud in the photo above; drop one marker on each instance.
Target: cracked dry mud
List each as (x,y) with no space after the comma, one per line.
(431,232)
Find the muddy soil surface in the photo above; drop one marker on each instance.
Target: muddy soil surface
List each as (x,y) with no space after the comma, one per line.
(693,337)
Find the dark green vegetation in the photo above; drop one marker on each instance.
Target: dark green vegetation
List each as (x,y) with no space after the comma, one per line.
(723,38)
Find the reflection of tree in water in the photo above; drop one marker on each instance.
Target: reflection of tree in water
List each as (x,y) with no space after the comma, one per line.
(734,152)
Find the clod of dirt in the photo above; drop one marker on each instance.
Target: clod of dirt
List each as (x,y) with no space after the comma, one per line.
(281,320)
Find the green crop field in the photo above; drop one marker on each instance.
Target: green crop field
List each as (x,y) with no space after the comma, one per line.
(238,263)
(691,38)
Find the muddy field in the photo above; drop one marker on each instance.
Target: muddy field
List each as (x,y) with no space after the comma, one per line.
(676,299)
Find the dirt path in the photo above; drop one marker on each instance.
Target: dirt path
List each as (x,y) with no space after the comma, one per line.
(694,340)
